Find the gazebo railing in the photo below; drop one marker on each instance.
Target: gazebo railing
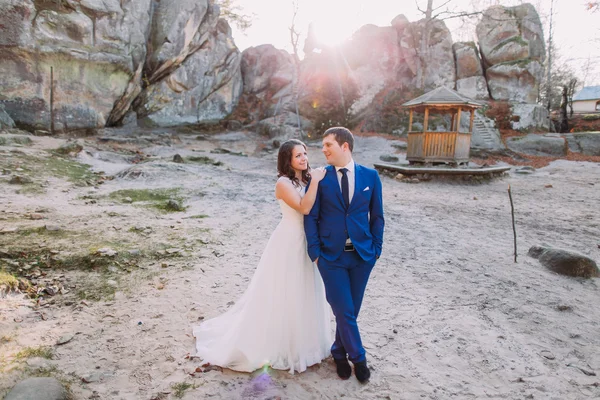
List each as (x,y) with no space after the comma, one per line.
(438,146)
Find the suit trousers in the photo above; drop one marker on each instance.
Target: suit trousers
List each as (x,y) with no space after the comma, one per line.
(345,281)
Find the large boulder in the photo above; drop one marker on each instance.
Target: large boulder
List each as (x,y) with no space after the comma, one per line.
(468,63)
(474,87)
(565,262)
(515,81)
(6,121)
(439,68)
(204,86)
(511,33)
(587,144)
(529,116)
(270,78)
(96,50)
(538,145)
(469,72)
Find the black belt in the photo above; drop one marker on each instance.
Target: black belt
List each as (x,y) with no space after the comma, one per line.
(349,247)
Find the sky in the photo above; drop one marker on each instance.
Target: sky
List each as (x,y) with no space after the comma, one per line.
(576,31)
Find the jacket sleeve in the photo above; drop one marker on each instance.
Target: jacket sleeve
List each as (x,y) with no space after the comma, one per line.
(311,228)
(377,221)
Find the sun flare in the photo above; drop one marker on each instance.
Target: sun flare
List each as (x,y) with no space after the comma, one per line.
(329,34)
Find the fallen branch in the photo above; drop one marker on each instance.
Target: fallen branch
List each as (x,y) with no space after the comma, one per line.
(512,211)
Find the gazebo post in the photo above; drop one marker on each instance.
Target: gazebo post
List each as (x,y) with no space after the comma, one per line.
(458,120)
(452,121)
(410,120)
(426,119)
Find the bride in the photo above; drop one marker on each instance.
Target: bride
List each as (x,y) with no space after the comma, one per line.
(283,319)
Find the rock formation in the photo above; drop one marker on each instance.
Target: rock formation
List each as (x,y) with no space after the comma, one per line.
(102,54)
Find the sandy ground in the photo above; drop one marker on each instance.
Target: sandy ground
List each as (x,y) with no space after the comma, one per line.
(448,314)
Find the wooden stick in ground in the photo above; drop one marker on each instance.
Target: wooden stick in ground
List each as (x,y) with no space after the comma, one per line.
(512,211)
(52,100)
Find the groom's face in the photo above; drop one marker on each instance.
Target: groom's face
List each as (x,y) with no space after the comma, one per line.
(334,153)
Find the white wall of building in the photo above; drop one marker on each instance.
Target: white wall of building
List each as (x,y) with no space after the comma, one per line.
(583,106)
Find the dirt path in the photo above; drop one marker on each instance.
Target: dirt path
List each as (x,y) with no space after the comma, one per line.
(447,313)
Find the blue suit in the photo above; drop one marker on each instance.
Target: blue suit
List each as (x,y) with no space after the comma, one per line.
(345,273)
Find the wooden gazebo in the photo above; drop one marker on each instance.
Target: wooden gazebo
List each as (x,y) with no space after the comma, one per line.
(450,146)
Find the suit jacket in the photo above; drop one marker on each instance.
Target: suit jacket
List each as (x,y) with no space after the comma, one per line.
(329,223)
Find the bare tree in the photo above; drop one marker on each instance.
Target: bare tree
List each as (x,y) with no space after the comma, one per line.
(549,62)
(233,13)
(431,13)
(564,119)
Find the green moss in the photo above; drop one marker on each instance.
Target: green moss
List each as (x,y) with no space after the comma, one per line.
(180,388)
(97,289)
(37,167)
(140,195)
(166,200)
(9,140)
(523,63)
(8,281)
(204,160)
(591,117)
(29,352)
(515,39)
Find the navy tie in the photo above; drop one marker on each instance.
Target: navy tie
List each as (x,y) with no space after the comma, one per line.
(345,189)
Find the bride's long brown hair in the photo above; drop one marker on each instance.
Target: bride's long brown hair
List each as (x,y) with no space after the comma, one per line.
(284,162)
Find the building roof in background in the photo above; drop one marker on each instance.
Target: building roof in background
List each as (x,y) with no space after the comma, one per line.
(588,93)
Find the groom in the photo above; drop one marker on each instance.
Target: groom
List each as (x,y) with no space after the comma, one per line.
(344,232)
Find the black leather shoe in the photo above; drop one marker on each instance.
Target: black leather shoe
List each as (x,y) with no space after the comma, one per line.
(362,372)
(343,368)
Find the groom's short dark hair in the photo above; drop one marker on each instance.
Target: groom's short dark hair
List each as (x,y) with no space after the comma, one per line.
(342,135)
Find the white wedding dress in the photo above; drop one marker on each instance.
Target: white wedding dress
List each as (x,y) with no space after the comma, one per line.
(283,319)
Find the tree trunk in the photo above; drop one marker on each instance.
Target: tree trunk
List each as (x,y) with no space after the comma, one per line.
(424,46)
(564,119)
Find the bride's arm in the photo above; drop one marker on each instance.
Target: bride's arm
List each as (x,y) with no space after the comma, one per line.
(285,190)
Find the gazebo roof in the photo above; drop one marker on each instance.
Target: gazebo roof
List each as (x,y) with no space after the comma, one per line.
(442,96)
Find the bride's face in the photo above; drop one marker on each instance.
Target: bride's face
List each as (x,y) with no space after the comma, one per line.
(299,158)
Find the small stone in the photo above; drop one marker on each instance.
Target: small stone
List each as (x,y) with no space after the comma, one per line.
(548,355)
(164,265)
(388,158)
(36,216)
(52,228)
(20,180)
(32,387)
(128,200)
(112,283)
(178,159)
(106,252)
(174,205)
(93,377)
(65,338)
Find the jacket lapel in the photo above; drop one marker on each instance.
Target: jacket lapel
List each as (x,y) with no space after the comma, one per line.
(333,182)
(358,183)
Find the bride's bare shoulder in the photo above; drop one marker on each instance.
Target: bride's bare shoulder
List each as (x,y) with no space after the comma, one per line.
(284,180)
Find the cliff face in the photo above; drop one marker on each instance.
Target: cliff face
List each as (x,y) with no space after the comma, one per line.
(366,79)
(171,63)
(103,54)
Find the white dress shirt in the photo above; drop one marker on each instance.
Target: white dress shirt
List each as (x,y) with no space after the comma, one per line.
(351,178)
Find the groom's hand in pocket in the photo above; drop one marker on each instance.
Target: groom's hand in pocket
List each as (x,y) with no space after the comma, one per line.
(317,261)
